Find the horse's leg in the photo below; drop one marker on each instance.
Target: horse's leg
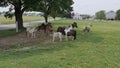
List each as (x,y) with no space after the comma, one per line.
(60,36)
(74,35)
(34,34)
(66,37)
(28,34)
(53,37)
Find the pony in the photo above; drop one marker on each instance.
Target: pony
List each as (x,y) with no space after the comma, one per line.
(62,28)
(41,28)
(49,28)
(46,28)
(31,32)
(87,28)
(65,30)
(57,34)
(72,33)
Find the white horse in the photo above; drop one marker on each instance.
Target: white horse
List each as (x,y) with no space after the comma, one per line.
(57,34)
(67,30)
(31,32)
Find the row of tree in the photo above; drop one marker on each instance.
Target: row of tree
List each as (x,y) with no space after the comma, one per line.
(101,15)
(48,7)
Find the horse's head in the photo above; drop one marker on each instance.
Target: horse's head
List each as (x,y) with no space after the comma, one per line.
(49,27)
(74,25)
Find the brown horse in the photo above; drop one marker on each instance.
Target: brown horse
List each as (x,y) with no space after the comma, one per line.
(49,28)
(46,28)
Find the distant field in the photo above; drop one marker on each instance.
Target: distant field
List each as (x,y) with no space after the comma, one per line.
(3,20)
(98,49)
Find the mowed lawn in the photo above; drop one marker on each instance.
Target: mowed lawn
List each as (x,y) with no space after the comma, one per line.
(3,20)
(99,48)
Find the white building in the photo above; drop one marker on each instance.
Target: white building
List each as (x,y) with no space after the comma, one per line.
(77,16)
(110,15)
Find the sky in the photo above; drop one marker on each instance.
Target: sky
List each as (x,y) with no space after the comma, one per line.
(91,6)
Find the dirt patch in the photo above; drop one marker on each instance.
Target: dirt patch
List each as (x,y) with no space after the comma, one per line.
(21,38)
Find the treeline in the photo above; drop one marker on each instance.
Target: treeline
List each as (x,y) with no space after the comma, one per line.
(111,15)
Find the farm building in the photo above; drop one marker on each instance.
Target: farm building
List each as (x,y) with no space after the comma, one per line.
(110,15)
(76,16)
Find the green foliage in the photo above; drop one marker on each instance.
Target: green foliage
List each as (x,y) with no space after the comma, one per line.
(19,6)
(85,16)
(118,15)
(54,7)
(100,15)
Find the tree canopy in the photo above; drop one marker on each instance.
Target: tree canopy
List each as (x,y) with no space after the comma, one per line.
(100,14)
(118,15)
(48,7)
(19,6)
(54,7)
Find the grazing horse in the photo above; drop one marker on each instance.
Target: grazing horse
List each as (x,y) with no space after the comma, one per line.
(87,28)
(69,29)
(57,34)
(47,28)
(31,32)
(72,33)
(62,28)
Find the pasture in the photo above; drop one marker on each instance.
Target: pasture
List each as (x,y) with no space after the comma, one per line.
(100,48)
(3,20)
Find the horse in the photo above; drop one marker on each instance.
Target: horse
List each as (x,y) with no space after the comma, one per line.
(31,32)
(47,28)
(62,28)
(65,30)
(57,34)
(41,27)
(72,33)
(87,28)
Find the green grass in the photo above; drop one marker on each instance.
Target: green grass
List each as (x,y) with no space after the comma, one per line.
(5,33)
(98,49)
(3,20)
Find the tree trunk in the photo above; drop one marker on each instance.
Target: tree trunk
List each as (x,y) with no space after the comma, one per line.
(46,19)
(19,19)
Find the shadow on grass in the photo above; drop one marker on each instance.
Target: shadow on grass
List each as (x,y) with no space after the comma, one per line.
(6,33)
(39,50)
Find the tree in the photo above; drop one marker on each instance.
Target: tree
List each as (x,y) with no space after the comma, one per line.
(118,15)
(54,7)
(19,6)
(100,15)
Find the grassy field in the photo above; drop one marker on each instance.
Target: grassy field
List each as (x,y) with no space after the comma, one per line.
(98,49)
(3,20)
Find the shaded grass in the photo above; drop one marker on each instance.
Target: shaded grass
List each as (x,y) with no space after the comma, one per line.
(5,33)
(97,49)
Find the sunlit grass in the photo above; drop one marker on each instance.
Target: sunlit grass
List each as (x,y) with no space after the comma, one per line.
(98,49)
(3,20)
